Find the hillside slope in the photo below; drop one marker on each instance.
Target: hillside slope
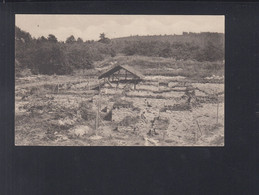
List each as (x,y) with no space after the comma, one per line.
(195,38)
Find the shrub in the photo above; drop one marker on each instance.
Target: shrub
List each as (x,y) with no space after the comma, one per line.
(86,110)
(49,58)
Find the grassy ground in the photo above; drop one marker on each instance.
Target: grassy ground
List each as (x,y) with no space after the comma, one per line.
(167,66)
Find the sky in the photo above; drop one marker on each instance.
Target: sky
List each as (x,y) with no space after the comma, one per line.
(89,27)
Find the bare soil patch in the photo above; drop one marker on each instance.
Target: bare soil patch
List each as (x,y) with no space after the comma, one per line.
(48,112)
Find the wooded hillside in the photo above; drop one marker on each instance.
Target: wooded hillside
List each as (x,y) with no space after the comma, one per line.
(47,55)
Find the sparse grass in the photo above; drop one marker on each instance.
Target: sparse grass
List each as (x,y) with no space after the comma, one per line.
(150,66)
(167,66)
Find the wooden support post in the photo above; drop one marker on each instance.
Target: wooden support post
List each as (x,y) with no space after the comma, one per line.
(58,84)
(98,86)
(195,136)
(127,84)
(164,133)
(88,84)
(199,127)
(119,75)
(116,77)
(100,120)
(109,83)
(96,121)
(217,109)
(98,111)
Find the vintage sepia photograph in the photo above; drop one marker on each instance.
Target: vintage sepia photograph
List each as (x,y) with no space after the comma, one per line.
(119,80)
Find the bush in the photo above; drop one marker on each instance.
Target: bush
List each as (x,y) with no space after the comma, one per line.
(78,57)
(128,120)
(49,59)
(24,73)
(180,51)
(113,53)
(86,110)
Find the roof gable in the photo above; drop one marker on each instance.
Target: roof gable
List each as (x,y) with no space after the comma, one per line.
(114,69)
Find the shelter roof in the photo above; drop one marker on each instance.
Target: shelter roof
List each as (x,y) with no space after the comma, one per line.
(114,69)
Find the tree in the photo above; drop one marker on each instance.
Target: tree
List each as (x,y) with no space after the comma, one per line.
(79,40)
(104,39)
(52,38)
(166,52)
(102,36)
(129,50)
(211,53)
(113,52)
(49,58)
(42,39)
(22,36)
(78,56)
(24,45)
(71,39)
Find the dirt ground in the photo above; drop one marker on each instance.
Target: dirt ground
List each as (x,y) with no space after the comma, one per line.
(62,111)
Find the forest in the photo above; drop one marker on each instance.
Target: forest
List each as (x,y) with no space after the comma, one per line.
(47,55)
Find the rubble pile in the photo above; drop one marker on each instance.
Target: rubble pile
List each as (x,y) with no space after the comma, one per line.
(161,123)
(119,114)
(86,110)
(176,113)
(122,104)
(176,107)
(129,120)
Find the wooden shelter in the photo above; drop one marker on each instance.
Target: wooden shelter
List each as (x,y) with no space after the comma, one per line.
(121,74)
